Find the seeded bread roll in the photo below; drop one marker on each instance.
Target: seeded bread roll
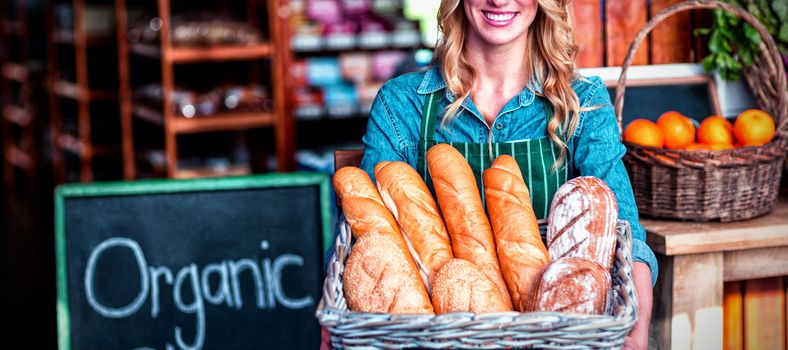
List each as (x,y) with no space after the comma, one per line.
(582,221)
(381,277)
(572,285)
(460,287)
(521,253)
(461,205)
(410,201)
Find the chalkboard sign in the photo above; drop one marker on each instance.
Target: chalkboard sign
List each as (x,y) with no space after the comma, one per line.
(232,263)
(650,101)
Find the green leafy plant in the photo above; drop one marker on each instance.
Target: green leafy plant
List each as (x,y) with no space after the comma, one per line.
(734,43)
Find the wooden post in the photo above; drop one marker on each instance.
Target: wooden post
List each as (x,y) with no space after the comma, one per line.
(167,85)
(587,18)
(623,21)
(124,92)
(689,312)
(733,331)
(764,307)
(284,125)
(83,90)
(671,40)
(55,118)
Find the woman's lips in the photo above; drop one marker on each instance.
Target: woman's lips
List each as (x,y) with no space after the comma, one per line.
(498,19)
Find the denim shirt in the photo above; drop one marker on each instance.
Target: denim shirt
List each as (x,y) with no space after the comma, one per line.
(595,147)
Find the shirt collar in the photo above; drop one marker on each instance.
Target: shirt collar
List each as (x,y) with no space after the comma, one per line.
(433,81)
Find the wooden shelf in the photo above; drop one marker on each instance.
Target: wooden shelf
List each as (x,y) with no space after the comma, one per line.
(214,122)
(670,237)
(192,173)
(205,54)
(148,114)
(74,145)
(168,57)
(15,71)
(17,115)
(223,122)
(12,27)
(68,37)
(71,90)
(19,158)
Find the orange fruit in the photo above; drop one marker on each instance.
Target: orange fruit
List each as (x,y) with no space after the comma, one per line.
(754,127)
(715,130)
(678,129)
(645,133)
(697,146)
(721,146)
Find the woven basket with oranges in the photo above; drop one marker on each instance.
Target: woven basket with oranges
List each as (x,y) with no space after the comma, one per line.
(719,170)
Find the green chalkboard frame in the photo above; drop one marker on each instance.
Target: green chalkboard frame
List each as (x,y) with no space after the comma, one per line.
(64,192)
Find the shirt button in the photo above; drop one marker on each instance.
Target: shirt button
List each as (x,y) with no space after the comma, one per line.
(499,126)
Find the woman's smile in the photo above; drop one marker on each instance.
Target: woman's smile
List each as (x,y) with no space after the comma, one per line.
(498,18)
(495,23)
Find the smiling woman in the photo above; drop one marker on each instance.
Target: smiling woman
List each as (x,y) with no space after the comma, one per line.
(504,83)
(498,25)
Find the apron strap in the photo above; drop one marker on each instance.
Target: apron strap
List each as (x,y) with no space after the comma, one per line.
(429,115)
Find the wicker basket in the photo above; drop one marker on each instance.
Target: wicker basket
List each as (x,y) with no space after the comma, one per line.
(551,330)
(728,185)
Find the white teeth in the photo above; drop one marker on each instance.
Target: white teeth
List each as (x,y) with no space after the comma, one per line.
(499,17)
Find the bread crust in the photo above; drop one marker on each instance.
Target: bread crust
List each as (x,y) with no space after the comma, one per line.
(582,221)
(466,220)
(381,277)
(521,252)
(361,203)
(573,285)
(461,287)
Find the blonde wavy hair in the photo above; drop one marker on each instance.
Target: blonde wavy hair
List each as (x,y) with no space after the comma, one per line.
(550,55)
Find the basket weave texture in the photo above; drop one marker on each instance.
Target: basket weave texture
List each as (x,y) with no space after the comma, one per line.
(550,330)
(698,185)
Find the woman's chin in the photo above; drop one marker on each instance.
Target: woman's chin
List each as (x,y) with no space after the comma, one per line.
(499,38)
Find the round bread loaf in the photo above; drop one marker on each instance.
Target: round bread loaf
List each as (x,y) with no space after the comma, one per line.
(459,286)
(574,285)
(582,221)
(381,277)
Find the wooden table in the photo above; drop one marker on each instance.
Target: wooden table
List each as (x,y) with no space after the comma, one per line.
(694,261)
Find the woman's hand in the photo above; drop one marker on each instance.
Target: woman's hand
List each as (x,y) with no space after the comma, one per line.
(325,339)
(638,338)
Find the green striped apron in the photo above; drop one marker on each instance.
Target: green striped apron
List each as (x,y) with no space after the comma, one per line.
(535,157)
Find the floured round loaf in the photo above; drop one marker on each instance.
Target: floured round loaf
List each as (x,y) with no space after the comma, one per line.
(459,286)
(573,285)
(381,277)
(582,221)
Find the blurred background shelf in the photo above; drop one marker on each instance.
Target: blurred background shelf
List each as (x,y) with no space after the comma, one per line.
(166,35)
(181,55)
(82,85)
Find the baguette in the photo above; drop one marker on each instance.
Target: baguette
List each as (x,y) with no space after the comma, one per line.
(460,287)
(363,208)
(521,253)
(466,221)
(582,221)
(380,277)
(408,198)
